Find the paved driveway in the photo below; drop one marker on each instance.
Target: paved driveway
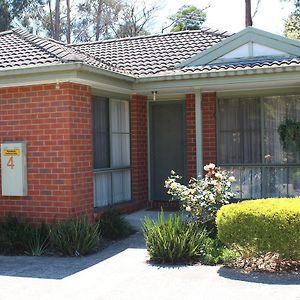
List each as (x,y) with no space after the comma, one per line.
(121,272)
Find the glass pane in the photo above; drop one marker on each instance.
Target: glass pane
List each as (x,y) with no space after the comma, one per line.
(274,115)
(275,182)
(119,116)
(102,189)
(294,182)
(100,133)
(121,186)
(240,131)
(120,150)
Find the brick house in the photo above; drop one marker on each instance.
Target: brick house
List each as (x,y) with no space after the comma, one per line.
(105,122)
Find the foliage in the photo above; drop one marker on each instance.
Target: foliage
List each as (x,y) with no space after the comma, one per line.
(292,23)
(38,241)
(75,237)
(257,227)
(78,21)
(13,10)
(173,240)
(18,236)
(134,18)
(202,197)
(188,17)
(289,132)
(113,226)
(216,252)
(14,234)
(292,27)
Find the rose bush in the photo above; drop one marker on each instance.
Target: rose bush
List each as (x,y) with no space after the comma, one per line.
(202,197)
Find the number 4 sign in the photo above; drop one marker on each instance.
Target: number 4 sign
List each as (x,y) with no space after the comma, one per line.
(14,169)
(10,163)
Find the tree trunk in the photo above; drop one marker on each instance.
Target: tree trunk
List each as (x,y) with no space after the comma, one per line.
(98,19)
(51,20)
(68,29)
(248,17)
(57,20)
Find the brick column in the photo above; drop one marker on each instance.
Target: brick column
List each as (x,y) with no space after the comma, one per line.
(55,121)
(209,128)
(191,136)
(139,149)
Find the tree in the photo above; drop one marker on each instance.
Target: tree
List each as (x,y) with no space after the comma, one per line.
(11,11)
(134,19)
(292,23)
(188,17)
(96,18)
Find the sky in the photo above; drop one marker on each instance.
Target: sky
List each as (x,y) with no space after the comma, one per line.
(229,15)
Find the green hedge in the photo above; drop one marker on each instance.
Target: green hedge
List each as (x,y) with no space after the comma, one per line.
(261,226)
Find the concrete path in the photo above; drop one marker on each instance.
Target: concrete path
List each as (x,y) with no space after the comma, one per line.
(121,271)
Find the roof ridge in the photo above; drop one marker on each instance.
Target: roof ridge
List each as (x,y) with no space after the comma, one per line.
(203,29)
(6,32)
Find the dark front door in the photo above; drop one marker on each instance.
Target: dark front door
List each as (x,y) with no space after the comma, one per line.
(167,145)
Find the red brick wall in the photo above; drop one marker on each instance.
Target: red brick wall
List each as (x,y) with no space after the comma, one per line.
(209,128)
(191,136)
(139,148)
(55,121)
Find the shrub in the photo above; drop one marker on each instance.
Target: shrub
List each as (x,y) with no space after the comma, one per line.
(202,197)
(257,227)
(173,240)
(14,235)
(18,236)
(113,226)
(75,237)
(216,253)
(38,241)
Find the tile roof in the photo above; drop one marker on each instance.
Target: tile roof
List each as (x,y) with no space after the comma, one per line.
(148,55)
(20,49)
(145,56)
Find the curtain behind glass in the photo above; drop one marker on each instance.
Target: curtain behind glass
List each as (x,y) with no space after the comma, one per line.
(101,133)
(239,131)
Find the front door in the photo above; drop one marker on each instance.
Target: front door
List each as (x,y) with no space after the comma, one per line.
(167,144)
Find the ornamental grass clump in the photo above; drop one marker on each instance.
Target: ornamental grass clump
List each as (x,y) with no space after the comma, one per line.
(173,240)
(75,237)
(202,197)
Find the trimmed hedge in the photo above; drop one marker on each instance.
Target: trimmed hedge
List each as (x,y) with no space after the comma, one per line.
(261,226)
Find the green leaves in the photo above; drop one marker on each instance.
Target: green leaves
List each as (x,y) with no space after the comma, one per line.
(173,240)
(262,226)
(113,226)
(188,17)
(75,237)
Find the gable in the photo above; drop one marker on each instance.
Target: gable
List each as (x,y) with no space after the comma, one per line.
(250,43)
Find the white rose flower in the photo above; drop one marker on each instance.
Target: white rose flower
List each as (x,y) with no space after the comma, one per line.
(231,179)
(218,175)
(173,185)
(211,166)
(206,168)
(188,208)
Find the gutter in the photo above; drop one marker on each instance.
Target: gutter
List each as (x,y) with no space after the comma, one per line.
(52,68)
(217,74)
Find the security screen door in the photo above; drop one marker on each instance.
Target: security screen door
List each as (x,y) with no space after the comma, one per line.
(167,145)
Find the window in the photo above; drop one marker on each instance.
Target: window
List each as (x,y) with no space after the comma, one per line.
(111,135)
(249,145)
